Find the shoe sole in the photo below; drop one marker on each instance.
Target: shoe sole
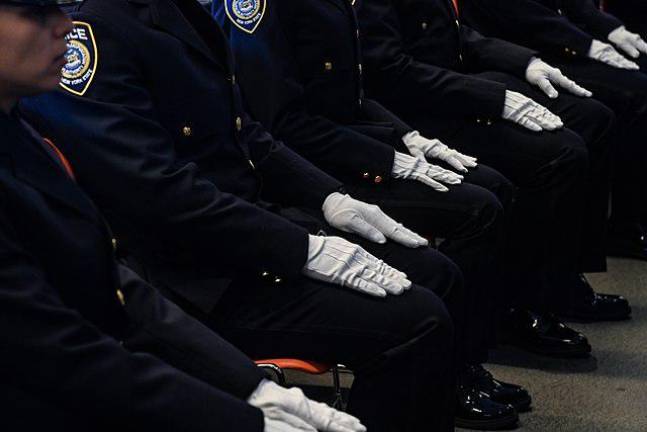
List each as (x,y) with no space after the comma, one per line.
(585,319)
(498,424)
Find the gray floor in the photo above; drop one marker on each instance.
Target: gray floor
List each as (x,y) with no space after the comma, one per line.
(605,393)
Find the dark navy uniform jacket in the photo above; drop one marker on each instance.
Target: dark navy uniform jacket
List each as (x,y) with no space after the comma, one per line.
(632,12)
(301,73)
(559,27)
(421,59)
(164,146)
(85,335)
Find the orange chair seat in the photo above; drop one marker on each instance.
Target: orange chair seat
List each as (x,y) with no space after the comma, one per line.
(299,365)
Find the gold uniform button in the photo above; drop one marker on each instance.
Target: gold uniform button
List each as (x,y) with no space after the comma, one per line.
(239,124)
(278,280)
(424,25)
(377,179)
(328,66)
(366,175)
(187,131)
(120,296)
(567,50)
(265,274)
(574,52)
(478,120)
(489,122)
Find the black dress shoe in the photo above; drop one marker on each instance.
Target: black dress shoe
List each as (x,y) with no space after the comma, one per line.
(626,245)
(596,307)
(599,307)
(543,334)
(474,410)
(499,391)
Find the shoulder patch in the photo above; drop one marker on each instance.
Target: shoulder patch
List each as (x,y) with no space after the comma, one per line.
(82,59)
(245,14)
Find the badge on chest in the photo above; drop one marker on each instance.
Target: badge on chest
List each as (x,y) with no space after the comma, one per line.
(245,14)
(82,58)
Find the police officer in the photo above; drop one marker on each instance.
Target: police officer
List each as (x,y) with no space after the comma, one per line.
(86,344)
(596,49)
(444,78)
(308,89)
(158,135)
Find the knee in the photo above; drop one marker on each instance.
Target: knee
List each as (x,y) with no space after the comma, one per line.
(431,269)
(423,312)
(571,155)
(600,117)
(498,184)
(487,211)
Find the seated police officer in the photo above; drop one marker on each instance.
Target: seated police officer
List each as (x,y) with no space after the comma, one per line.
(85,344)
(582,40)
(158,136)
(446,79)
(307,89)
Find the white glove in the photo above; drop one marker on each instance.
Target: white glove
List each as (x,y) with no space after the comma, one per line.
(543,75)
(367,220)
(422,147)
(409,167)
(288,410)
(606,53)
(629,42)
(338,261)
(278,421)
(528,113)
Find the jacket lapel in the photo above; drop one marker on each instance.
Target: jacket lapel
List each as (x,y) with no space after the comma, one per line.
(167,17)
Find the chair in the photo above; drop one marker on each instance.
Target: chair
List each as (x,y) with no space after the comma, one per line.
(277,367)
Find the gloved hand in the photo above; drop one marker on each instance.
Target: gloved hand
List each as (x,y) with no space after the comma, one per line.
(606,53)
(629,42)
(275,421)
(408,167)
(544,76)
(335,260)
(369,221)
(422,147)
(288,410)
(528,113)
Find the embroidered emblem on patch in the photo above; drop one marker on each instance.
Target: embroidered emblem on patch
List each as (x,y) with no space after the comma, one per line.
(82,59)
(245,14)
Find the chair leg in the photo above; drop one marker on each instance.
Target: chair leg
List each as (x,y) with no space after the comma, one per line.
(338,402)
(277,371)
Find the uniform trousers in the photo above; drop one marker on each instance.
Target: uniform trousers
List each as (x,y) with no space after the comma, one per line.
(400,348)
(625,92)
(468,222)
(555,187)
